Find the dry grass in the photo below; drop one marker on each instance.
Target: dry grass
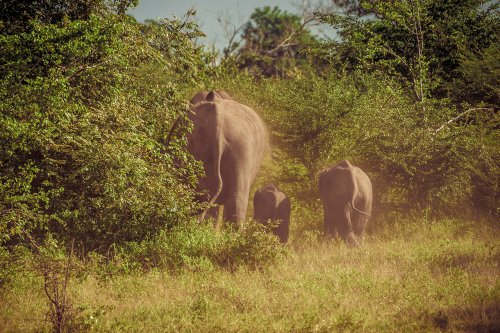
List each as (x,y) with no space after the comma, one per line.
(428,277)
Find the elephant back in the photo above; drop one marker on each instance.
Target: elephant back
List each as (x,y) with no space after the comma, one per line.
(209,96)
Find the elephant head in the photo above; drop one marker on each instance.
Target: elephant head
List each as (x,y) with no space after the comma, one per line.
(272,205)
(229,138)
(346,194)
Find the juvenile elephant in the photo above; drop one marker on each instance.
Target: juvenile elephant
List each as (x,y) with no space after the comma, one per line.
(229,138)
(271,204)
(346,194)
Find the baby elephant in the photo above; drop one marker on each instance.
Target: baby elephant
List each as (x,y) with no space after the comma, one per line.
(346,193)
(271,204)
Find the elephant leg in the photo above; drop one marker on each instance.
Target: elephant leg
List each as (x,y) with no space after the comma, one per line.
(359,226)
(204,197)
(344,225)
(281,230)
(329,225)
(282,214)
(235,207)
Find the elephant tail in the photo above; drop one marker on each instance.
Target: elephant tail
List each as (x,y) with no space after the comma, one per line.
(216,163)
(351,204)
(216,194)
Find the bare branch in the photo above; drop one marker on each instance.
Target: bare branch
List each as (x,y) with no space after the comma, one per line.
(460,116)
(288,41)
(231,30)
(85,68)
(309,8)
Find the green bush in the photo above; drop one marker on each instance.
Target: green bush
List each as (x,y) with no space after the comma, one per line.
(195,246)
(86,108)
(12,263)
(413,161)
(87,104)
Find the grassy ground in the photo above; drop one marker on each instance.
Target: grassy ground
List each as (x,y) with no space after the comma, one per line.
(409,277)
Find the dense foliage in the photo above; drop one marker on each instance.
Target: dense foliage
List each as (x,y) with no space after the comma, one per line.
(318,121)
(422,44)
(83,126)
(97,209)
(88,97)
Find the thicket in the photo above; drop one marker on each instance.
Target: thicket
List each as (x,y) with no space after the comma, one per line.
(407,91)
(88,97)
(81,151)
(94,181)
(88,168)
(316,121)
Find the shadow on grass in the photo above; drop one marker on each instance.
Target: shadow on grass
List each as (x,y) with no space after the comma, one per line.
(482,318)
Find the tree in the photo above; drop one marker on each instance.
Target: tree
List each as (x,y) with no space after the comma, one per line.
(479,78)
(417,41)
(274,42)
(16,15)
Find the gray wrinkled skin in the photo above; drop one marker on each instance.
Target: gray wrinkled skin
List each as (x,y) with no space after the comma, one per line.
(229,138)
(346,194)
(270,204)
(202,96)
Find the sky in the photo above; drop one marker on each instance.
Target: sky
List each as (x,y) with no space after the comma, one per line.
(208,11)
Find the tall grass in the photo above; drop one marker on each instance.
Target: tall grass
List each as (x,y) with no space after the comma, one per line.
(414,275)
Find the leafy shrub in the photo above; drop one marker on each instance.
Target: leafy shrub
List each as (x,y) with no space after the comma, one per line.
(195,246)
(85,114)
(12,262)
(412,160)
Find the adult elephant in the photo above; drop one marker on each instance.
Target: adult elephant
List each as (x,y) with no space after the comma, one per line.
(346,194)
(269,203)
(229,138)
